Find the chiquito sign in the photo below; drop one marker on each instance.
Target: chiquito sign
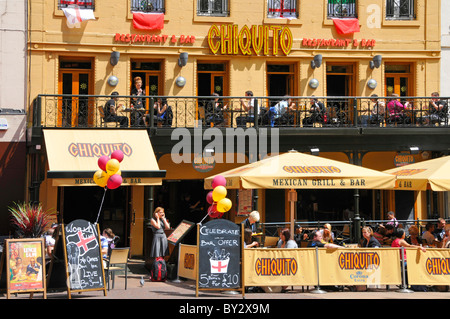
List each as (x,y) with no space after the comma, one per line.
(267,40)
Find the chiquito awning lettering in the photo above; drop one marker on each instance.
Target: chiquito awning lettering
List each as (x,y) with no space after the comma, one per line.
(98,149)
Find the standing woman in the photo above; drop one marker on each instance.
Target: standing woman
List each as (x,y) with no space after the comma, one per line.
(138,103)
(400,241)
(159,223)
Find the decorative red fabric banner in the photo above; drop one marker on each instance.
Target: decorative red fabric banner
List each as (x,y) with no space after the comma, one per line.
(148,21)
(346,26)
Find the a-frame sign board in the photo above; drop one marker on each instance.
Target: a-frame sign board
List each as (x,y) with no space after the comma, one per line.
(24,262)
(83,257)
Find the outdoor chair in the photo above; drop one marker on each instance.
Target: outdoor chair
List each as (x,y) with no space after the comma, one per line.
(271,241)
(118,261)
(104,123)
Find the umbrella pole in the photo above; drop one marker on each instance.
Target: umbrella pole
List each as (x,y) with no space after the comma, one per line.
(356,219)
(292,196)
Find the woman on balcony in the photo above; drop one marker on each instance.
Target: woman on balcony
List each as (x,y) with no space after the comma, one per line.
(138,103)
(396,109)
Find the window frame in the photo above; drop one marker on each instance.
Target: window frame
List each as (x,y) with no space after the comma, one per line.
(392,17)
(296,13)
(159,9)
(61,6)
(225,12)
(340,16)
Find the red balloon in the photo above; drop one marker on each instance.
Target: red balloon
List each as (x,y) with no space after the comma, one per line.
(114,181)
(219,180)
(118,155)
(209,198)
(102,162)
(212,211)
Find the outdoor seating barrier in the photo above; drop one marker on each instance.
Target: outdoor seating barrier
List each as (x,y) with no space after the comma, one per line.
(334,267)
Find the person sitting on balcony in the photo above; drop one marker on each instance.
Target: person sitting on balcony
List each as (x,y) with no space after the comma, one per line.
(437,110)
(111,109)
(279,113)
(248,104)
(375,114)
(214,111)
(396,109)
(317,112)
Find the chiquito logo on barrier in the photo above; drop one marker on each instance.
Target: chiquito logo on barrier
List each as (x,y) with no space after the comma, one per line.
(438,266)
(363,260)
(276,266)
(233,139)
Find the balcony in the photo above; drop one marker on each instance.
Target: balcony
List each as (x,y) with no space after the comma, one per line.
(87,111)
(347,124)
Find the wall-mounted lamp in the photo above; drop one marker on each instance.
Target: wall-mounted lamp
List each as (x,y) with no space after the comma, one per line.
(376,62)
(180,81)
(317,61)
(372,84)
(414,150)
(313,83)
(182,60)
(114,59)
(113,80)
(315,151)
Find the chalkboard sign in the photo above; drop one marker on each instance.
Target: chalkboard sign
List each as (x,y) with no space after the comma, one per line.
(83,256)
(179,232)
(219,243)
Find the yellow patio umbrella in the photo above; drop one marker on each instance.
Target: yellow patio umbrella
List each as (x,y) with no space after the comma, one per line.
(295,170)
(431,174)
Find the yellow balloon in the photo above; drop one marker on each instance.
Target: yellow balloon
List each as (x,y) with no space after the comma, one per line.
(224,205)
(219,192)
(101,178)
(112,166)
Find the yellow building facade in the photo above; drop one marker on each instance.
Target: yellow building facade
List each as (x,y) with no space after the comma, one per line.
(261,46)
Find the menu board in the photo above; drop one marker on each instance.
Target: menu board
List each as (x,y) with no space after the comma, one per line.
(25,264)
(219,255)
(179,232)
(83,256)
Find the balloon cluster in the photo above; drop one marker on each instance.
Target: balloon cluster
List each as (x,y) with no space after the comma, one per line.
(217,198)
(109,174)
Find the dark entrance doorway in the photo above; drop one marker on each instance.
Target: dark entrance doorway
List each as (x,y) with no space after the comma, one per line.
(83,202)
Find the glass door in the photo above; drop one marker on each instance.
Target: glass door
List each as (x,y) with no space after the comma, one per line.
(75,111)
(398,79)
(150,73)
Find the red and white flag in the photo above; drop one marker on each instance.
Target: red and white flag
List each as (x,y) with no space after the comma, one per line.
(148,21)
(346,26)
(75,15)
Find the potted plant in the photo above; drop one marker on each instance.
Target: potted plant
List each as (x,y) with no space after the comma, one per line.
(30,221)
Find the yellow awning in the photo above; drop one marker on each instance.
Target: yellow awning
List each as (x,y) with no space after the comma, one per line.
(431,174)
(295,170)
(73,156)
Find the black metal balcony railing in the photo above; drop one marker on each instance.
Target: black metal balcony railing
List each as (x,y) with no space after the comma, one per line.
(157,6)
(213,8)
(77,111)
(342,9)
(400,9)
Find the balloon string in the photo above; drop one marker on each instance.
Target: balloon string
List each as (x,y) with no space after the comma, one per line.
(203,219)
(101,205)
